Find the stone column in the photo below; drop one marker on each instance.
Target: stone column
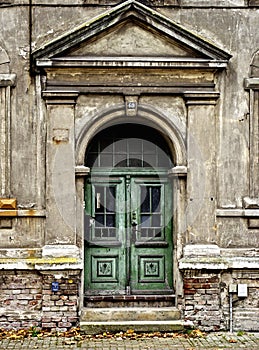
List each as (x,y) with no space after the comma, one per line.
(60,174)
(202,171)
(6,82)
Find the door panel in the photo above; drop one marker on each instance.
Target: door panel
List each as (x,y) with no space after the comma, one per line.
(128,241)
(105,252)
(151,247)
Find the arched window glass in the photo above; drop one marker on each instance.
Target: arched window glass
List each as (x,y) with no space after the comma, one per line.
(128,145)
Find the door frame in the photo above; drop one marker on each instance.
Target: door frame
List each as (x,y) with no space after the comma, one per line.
(126,180)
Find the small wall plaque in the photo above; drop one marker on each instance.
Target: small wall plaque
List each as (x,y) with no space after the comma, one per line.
(55,286)
(60,135)
(131,105)
(242,290)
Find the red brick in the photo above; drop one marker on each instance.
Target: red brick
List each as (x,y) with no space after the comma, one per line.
(189,291)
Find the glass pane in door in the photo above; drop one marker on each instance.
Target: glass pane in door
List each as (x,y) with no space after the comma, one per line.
(150,213)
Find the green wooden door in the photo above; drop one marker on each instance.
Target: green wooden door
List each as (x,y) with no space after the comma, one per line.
(151,239)
(128,235)
(105,251)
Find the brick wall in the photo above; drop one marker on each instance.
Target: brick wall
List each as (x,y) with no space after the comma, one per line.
(60,309)
(26,300)
(245,309)
(202,304)
(20,299)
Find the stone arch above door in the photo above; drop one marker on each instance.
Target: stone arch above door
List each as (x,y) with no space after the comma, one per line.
(146,115)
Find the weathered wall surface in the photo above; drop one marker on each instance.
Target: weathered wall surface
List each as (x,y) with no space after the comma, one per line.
(27,300)
(230,28)
(38,138)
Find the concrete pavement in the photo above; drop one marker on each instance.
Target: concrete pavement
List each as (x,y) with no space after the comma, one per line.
(213,341)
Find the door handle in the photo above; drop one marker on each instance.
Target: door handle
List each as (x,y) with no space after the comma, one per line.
(134,221)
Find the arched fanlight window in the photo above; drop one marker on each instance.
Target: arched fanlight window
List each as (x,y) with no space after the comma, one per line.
(128,145)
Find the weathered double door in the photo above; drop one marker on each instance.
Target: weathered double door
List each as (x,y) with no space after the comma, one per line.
(128,234)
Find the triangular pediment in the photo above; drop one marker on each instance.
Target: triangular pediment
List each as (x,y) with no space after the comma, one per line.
(131,30)
(130,38)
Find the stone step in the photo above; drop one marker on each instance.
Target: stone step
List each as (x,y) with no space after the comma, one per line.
(130,314)
(138,326)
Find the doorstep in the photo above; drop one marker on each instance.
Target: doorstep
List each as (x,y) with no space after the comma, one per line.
(141,319)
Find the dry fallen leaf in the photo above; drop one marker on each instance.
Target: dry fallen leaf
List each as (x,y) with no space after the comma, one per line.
(232,340)
(76,336)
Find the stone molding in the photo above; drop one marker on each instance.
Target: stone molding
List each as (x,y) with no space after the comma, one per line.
(209,256)
(251,203)
(81,170)
(7,80)
(61,250)
(52,53)
(251,83)
(178,171)
(50,257)
(201,250)
(149,116)
(22,213)
(60,97)
(201,98)
(218,263)
(159,3)
(126,62)
(237,212)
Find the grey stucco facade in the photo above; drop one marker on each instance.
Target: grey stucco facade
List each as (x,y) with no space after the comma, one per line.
(70,69)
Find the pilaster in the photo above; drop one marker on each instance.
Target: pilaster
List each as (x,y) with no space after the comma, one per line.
(6,82)
(60,164)
(252,85)
(201,153)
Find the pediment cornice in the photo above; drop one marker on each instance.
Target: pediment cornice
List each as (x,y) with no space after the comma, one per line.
(57,53)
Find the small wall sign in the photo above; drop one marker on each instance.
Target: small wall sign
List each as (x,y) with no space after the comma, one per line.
(55,286)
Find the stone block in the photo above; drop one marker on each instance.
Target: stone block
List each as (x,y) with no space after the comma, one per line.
(48,325)
(65,324)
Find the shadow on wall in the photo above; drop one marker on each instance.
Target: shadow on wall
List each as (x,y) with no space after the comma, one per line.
(4,61)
